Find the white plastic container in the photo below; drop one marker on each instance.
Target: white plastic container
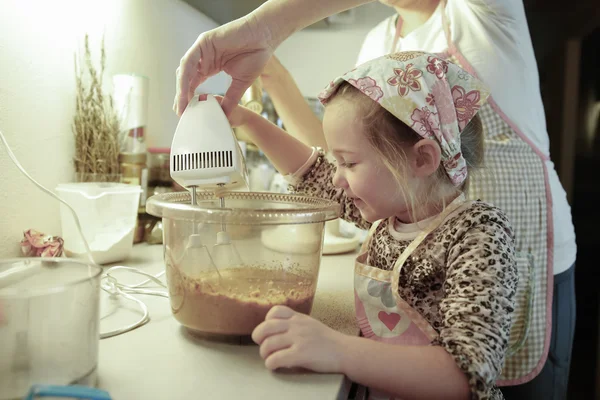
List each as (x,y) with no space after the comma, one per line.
(107,213)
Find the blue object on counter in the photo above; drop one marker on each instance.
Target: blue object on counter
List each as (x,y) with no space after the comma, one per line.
(69,391)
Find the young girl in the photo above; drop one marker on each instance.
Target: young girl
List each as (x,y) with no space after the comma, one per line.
(435,280)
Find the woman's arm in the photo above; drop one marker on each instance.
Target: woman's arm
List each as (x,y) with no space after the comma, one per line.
(284,17)
(498,11)
(241,48)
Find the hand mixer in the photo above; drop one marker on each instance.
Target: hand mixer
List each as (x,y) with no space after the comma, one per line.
(205,154)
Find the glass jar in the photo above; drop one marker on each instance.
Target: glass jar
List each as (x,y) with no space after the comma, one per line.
(159,173)
(49,323)
(134,171)
(260,169)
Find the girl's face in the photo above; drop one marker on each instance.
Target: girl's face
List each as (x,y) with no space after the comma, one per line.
(360,171)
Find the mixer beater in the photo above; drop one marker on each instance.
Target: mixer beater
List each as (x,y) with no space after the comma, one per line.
(205,154)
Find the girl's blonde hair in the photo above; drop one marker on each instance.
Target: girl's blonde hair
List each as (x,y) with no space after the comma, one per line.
(389,137)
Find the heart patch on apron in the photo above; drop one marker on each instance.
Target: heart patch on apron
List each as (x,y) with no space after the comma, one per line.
(390,320)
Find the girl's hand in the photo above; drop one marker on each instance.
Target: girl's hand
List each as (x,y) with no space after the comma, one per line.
(289,339)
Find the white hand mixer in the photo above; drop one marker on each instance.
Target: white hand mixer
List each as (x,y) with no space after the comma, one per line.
(205,154)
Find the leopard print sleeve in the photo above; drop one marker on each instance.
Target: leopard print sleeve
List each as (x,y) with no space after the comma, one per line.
(476,311)
(318,182)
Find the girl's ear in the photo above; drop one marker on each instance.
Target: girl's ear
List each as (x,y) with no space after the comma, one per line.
(425,158)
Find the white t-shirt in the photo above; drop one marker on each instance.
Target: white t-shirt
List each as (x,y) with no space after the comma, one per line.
(494,38)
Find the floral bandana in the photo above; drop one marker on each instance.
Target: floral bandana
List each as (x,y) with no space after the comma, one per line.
(435,97)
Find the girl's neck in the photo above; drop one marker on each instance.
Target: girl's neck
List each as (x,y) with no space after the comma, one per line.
(415,15)
(425,211)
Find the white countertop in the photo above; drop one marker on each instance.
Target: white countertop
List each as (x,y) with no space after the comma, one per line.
(161,361)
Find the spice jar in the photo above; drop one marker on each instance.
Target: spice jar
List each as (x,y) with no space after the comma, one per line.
(159,173)
(153,227)
(135,172)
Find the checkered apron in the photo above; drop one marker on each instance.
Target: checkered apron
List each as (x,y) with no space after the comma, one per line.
(514,178)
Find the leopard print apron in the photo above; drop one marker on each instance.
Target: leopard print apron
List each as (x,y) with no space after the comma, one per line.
(381,313)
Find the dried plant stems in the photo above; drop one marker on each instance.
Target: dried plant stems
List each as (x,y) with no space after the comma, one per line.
(95,126)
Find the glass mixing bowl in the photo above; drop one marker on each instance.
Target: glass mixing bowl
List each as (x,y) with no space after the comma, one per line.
(49,317)
(227,265)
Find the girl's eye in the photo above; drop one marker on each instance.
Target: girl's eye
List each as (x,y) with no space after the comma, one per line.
(343,164)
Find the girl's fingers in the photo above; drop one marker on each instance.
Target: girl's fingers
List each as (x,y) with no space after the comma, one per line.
(280,312)
(269,328)
(287,358)
(274,344)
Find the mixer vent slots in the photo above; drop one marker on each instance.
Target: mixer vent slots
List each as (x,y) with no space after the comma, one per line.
(203,160)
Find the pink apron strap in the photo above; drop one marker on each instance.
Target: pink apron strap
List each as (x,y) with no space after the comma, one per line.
(399,22)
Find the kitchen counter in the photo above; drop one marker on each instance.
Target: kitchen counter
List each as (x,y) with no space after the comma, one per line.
(160,360)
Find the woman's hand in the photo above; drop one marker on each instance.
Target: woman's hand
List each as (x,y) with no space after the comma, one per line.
(289,339)
(240,48)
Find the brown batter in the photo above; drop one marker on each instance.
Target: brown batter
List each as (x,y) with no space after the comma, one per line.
(238,301)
